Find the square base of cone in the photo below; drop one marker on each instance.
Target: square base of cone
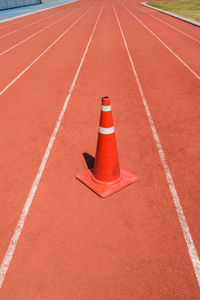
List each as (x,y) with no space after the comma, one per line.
(105,190)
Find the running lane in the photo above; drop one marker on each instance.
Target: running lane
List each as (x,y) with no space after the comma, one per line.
(177,24)
(29,9)
(181,25)
(186,48)
(74,245)
(29,109)
(16,34)
(14,61)
(22,21)
(172,92)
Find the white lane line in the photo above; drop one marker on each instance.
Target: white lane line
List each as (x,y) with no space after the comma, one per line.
(37,32)
(190,21)
(36,12)
(170,50)
(3,27)
(13,242)
(11,24)
(179,210)
(21,28)
(35,60)
(168,25)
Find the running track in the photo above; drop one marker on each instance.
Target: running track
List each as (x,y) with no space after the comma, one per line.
(59,240)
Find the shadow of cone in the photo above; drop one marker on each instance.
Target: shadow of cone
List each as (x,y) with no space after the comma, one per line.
(106,178)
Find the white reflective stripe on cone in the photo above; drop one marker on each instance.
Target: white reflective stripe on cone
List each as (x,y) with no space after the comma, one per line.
(105,107)
(108,130)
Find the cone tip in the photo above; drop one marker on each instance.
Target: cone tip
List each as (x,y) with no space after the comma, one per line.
(105,100)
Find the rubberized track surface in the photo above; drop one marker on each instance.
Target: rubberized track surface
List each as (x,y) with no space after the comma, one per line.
(30,9)
(140,243)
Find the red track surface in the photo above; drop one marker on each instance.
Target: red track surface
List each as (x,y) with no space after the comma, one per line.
(75,245)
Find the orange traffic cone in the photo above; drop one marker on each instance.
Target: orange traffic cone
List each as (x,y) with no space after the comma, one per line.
(106,178)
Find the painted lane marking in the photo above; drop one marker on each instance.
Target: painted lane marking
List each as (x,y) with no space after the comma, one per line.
(186,65)
(34,34)
(179,210)
(21,28)
(34,61)
(108,130)
(169,25)
(193,22)
(3,27)
(13,242)
(35,12)
(105,107)
(11,24)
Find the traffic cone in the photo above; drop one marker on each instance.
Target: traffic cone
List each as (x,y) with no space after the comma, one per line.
(106,178)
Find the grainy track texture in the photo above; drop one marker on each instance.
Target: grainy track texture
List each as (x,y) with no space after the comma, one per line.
(73,245)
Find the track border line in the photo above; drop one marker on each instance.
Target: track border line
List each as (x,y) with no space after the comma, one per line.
(35,12)
(37,32)
(16,235)
(162,21)
(36,59)
(26,26)
(165,45)
(179,210)
(172,15)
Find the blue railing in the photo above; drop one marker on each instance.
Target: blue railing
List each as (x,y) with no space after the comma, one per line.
(6,4)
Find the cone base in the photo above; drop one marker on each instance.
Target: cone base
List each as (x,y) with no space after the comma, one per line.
(105,190)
